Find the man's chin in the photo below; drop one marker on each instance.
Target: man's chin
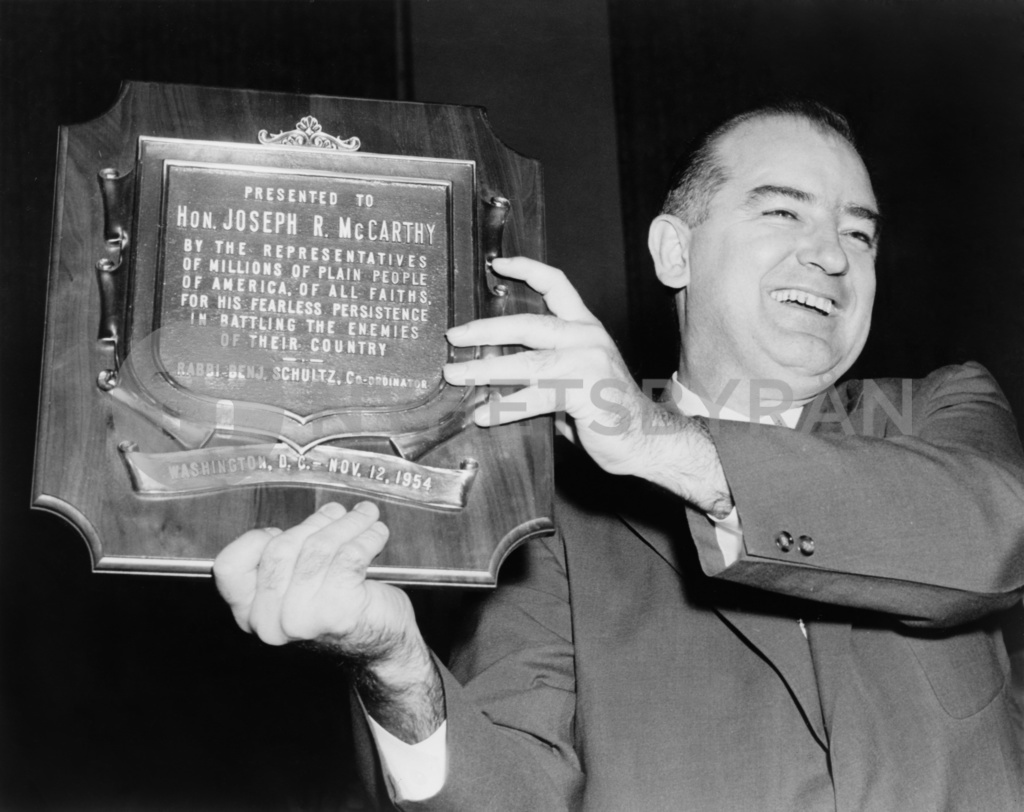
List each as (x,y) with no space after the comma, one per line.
(806,382)
(810,365)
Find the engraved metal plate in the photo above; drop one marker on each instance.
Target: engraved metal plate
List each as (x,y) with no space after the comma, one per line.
(312,290)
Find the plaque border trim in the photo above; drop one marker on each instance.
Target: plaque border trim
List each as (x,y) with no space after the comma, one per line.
(203,567)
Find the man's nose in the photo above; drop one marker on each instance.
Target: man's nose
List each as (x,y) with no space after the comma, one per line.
(823,249)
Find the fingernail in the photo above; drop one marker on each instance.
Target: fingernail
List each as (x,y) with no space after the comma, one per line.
(366,508)
(332,510)
(457,332)
(482,416)
(453,373)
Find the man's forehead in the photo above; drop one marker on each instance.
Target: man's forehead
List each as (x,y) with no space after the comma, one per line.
(778,129)
(793,147)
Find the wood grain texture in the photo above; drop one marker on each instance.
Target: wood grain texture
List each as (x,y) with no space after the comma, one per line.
(79,473)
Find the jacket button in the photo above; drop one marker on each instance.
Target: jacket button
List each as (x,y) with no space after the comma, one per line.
(784,541)
(806,545)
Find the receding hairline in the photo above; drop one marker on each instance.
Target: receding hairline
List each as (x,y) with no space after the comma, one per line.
(706,171)
(840,130)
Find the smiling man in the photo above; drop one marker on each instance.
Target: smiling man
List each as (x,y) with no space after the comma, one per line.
(785,252)
(786,608)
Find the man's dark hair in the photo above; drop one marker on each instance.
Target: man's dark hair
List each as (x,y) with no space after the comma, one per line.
(699,173)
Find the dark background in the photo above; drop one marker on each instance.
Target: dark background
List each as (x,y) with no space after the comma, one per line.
(121,692)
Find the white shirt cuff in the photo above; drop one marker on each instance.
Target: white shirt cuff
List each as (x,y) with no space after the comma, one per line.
(729,536)
(414,772)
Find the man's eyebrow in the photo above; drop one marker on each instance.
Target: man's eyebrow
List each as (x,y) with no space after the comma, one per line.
(770,190)
(865,214)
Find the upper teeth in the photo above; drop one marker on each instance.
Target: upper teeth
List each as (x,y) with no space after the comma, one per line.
(826,306)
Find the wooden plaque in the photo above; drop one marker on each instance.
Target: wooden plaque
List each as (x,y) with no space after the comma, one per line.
(248,295)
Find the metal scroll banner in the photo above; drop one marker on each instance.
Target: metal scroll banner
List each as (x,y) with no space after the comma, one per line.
(272,303)
(361,472)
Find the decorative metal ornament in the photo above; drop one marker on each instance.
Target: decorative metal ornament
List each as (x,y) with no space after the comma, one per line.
(309,133)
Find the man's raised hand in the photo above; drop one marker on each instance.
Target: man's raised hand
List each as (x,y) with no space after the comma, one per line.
(309,583)
(572,365)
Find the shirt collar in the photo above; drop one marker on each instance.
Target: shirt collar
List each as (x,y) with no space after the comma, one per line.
(690,403)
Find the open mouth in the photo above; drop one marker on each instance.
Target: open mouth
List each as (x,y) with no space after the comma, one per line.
(808,301)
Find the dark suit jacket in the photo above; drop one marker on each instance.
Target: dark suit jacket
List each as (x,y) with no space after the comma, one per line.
(620,666)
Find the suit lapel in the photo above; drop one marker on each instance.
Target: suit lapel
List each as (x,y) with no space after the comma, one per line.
(779,640)
(803,664)
(776,637)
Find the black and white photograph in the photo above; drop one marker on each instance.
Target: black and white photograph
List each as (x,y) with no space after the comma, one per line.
(550,405)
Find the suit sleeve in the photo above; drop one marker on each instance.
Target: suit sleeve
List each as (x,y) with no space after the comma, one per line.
(918,514)
(517,665)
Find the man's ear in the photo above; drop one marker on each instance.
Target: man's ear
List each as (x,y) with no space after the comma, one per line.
(669,243)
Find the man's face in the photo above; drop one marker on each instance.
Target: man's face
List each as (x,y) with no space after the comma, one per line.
(782,272)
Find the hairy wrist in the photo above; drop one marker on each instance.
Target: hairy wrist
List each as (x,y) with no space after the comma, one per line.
(409,703)
(402,691)
(395,676)
(681,457)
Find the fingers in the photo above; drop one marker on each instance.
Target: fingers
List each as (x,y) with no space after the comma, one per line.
(529,329)
(559,294)
(278,583)
(529,402)
(505,370)
(235,568)
(564,369)
(570,344)
(320,536)
(347,568)
(334,558)
(320,547)
(339,603)
(586,401)
(275,566)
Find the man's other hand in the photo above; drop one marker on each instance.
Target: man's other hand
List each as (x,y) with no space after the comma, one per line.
(309,583)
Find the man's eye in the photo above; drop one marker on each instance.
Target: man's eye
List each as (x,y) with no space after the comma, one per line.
(784,213)
(864,237)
